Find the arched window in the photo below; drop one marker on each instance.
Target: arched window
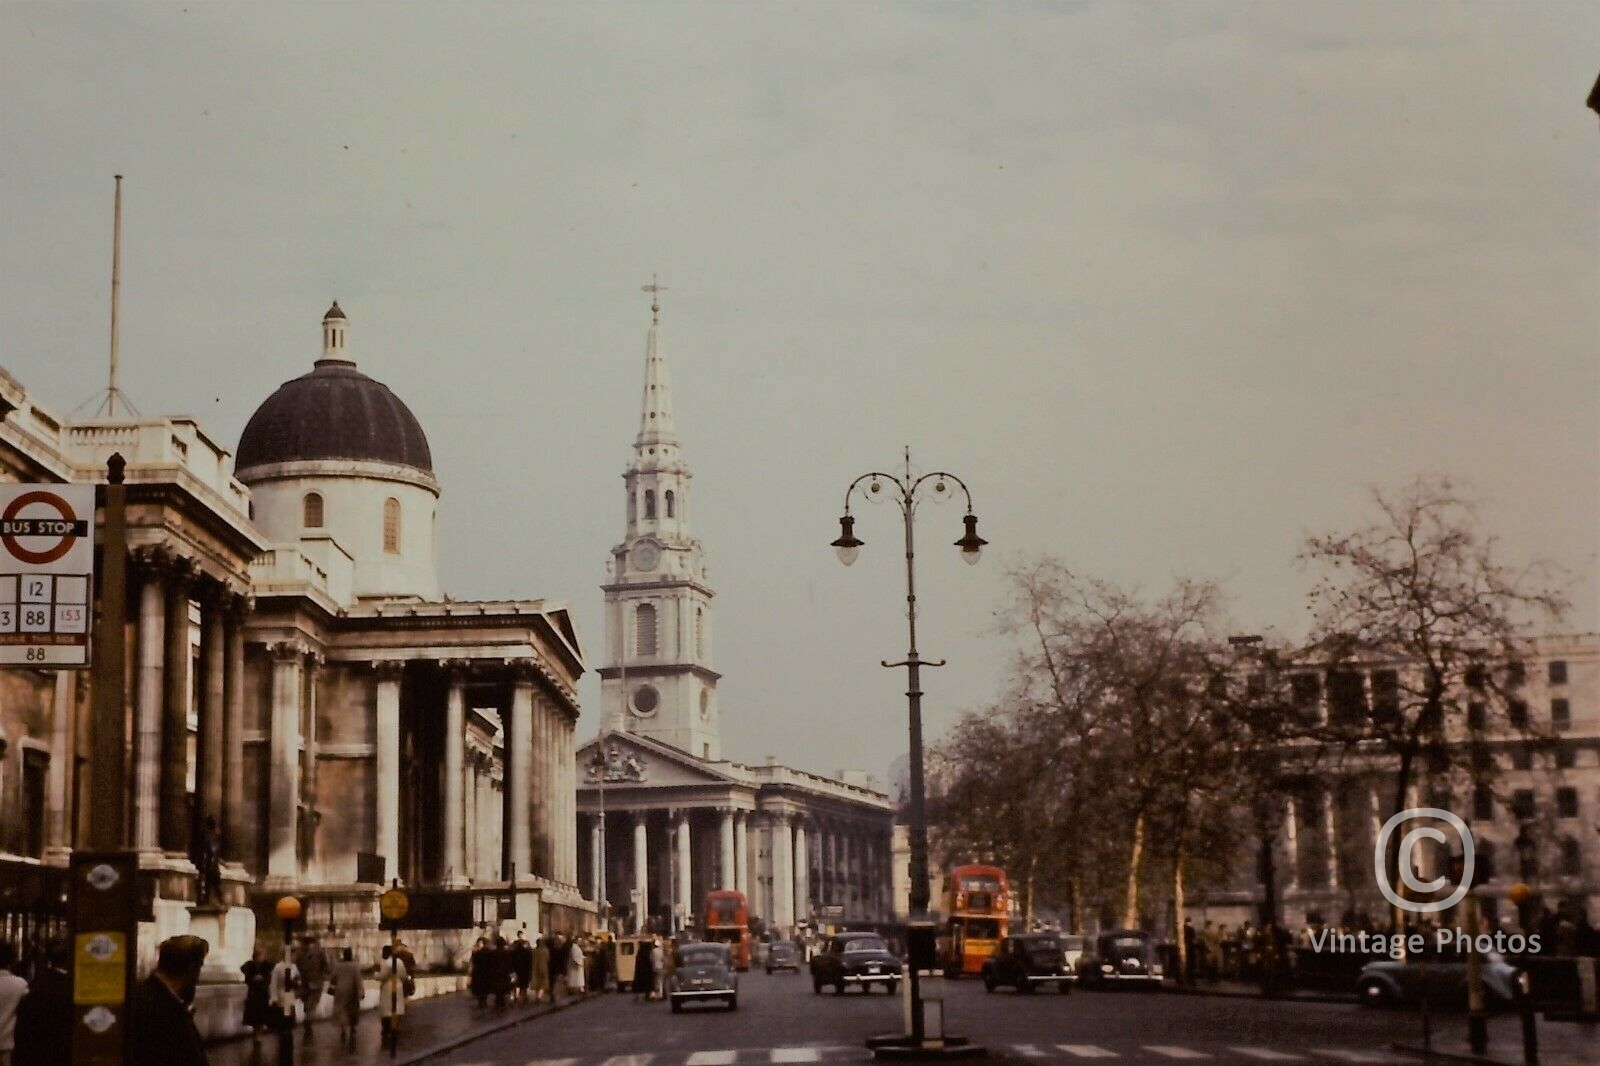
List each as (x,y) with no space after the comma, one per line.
(391,526)
(699,632)
(670,501)
(649,503)
(644,641)
(313,510)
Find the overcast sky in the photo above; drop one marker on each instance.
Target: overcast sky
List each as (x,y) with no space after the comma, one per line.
(1169,285)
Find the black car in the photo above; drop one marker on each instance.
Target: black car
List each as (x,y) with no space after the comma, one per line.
(1028,961)
(1122,957)
(862,959)
(703,972)
(783,955)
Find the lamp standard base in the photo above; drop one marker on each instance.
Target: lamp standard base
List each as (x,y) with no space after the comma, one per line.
(905,1048)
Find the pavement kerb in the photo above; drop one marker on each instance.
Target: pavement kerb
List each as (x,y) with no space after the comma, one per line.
(1434,1054)
(462,1039)
(1295,997)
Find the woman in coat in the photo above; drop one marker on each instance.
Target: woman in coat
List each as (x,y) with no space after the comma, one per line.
(257,975)
(541,970)
(575,972)
(478,983)
(347,990)
(644,973)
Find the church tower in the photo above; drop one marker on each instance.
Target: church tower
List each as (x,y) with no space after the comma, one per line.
(658,679)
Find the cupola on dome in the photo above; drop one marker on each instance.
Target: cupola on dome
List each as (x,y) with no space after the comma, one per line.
(334,412)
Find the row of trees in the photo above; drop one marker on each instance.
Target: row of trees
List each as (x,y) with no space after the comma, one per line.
(1139,750)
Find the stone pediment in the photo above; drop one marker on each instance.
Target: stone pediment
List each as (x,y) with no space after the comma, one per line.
(632,761)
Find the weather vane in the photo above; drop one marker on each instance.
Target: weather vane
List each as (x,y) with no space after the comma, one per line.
(655,301)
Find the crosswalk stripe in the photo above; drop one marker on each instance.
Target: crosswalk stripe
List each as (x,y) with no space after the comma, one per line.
(1267,1054)
(1087,1051)
(1173,1052)
(1346,1055)
(628,1060)
(1029,1051)
(551,1062)
(795,1054)
(712,1058)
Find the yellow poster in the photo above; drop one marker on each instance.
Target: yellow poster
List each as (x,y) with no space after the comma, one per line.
(100,974)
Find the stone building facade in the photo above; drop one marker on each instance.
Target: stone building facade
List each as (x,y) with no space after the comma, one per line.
(680,819)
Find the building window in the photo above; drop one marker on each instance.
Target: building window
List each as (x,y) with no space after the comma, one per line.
(1386,695)
(1571,858)
(1566,756)
(700,632)
(1521,758)
(1516,674)
(1483,863)
(645,700)
(35,771)
(1567,802)
(313,510)
(1477,716)
(1477,677)
(644,629)
(1522,804)
(670,500)
(1517,712)
(391,526)
(1560,714)
(1482,805)
(1306,692)
(1558,671)
(1347,698)
(649,503)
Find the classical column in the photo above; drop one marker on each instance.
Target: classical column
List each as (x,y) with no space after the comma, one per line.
(1291,842)
(174,819)
(58,824)
(726,878)
(470,798)
(386,748)
(685,889)
(802,874)
(597,858)
(782,873)
(147,707)
(566,805)
(741,853)
(519,778)
(310,740)
(284,767)
(544,788)
(641,869)
(235,826)
(1329,828)
(213,729)
(455,739)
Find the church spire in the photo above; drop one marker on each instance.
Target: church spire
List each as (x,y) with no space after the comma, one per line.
(657,438)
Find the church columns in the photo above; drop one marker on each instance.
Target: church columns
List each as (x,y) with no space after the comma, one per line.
(147,705)
(1330,835)
(569,797)
(641,869)
(213,697)
(284,768)
(726,877)
(174,777)
(235,826)
(386,749)
(782,872)
(455,738)
(519,774)
(741,853)
(684,894)
(802,874)
(1291,842)
(597,859)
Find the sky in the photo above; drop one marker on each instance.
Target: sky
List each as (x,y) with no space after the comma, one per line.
(1169,286)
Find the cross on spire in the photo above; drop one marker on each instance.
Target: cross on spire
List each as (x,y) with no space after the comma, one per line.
(654,289)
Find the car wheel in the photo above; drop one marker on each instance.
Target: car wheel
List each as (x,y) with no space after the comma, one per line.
(1374,993)
(816,986)
(677,1008)
(838,989)
(1024,985)
(733,1002)
(988,982)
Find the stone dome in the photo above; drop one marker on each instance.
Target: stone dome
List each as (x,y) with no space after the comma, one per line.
(334,412)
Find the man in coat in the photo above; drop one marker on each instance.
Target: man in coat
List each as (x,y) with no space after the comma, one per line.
(44,1017)
(161,1030)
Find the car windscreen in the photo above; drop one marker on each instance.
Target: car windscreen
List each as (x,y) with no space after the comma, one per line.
(1072,943)
(1041,945)
(865,943)
(701,957)
(1128,943)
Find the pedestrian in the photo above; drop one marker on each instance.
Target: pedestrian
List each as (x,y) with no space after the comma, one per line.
(44,1017)
(478,973)
(392,978)
(558,966)
(644,972)
(347,992)
(658,967)
(161,1028)
(1191,948)
(521,968)
(12,989)
(575,973)
(314,968)
(541,970)
(502,972)
(257,1001)
(283,991)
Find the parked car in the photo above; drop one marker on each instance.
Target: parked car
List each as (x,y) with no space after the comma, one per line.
(1028,961)
(1072,948)
(783,955)
(1391,982)
(701,972)
(1122,957)
(862,959)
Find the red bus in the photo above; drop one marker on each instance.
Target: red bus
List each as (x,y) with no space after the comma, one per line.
(977,915)
(727,918)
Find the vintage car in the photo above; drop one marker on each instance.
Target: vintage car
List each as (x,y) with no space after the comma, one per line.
(1443,979)
(862,959)
(1122,957)
(783,955)
(1028,961)
(703,972)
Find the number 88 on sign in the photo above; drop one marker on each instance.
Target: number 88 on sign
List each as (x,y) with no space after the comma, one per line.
(46,570)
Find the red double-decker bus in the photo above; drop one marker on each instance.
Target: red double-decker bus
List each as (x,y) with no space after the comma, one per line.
(977,910)
(727,921)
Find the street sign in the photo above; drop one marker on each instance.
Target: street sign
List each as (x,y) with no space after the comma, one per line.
(46,570)
(105,927)
(394,905)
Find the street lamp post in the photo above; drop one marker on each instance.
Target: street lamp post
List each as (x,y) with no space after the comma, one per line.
(920,934)
(597,770)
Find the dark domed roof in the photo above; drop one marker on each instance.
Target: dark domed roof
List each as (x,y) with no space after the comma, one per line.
(334,412)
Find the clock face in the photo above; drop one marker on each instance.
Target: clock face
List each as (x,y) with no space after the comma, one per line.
(646,555)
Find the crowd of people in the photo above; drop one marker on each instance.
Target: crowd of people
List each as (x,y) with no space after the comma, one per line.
(540,972)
